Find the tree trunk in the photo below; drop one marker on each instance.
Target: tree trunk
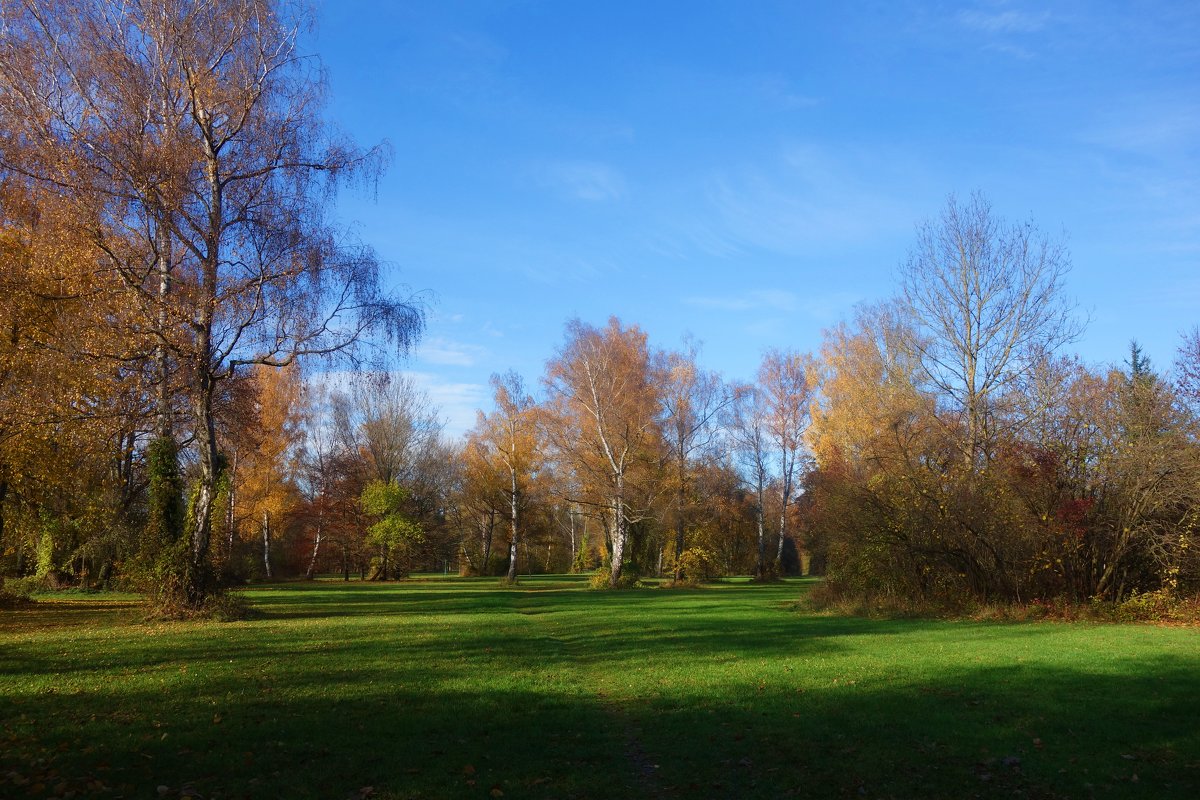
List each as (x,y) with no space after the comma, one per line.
(679,506)
(162,263)
(607,521)
(266,539)
(197,585)
(312,562)
(512,550)
(345,563)
(619,533)
(571,520)
(230,517)
(3,496)
(761,562)
(488,531)
(782,534)
(788,465)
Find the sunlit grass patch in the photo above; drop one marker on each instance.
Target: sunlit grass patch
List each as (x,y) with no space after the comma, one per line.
(447,687)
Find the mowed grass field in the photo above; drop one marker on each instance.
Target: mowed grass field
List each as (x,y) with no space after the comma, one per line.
(460,688)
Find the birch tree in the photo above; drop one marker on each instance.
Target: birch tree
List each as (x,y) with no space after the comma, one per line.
(192,130)
(509,437)
(693,399)
(747,426)
(394,428)
(604,406)
(786,389)
(479,503)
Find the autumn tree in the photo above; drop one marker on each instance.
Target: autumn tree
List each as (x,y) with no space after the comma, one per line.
(265,490)
(321,466)
(394,431)
(723,539)
(987,298)
(190,131)
(509,437)
(604,417)
(786,389)
(69,433)
(393,531)
(926,464)
(1151,484)
(693,400)
(872,430)
(390,421)
(748,429)
(479,503)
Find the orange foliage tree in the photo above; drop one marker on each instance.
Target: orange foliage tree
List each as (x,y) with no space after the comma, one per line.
(603,417)
(508,441)
(189,136)
(264,491)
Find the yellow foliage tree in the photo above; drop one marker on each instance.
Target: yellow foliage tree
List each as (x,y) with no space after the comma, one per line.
(264,489)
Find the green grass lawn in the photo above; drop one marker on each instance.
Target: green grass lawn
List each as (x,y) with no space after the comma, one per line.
(460,688)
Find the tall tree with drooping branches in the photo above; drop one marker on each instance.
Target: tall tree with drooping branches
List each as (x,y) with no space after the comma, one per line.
(191,132)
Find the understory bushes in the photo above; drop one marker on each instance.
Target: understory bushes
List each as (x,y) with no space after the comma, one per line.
(1099,506)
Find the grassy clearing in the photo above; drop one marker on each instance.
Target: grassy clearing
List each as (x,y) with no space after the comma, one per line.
(460,688)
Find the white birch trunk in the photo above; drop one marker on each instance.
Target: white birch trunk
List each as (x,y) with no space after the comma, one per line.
(266,532)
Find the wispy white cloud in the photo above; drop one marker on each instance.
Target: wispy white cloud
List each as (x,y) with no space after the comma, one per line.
(1007,21)
(780,92)
(821,307)
(1011,49)
(756,300)
(446,352)
(1148,126)
(811,197)
(1149,145)
(582,180)
(456,401)
(1001,28)
(829,306)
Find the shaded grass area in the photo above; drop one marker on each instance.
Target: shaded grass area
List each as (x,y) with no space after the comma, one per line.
(460,688)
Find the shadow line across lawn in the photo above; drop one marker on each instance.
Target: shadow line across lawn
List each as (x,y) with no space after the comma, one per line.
(464,690)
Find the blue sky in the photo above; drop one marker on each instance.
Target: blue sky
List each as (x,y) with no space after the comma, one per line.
(747,171)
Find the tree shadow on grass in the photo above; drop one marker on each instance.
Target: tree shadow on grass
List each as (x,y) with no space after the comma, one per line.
(689,694)
(971,733)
